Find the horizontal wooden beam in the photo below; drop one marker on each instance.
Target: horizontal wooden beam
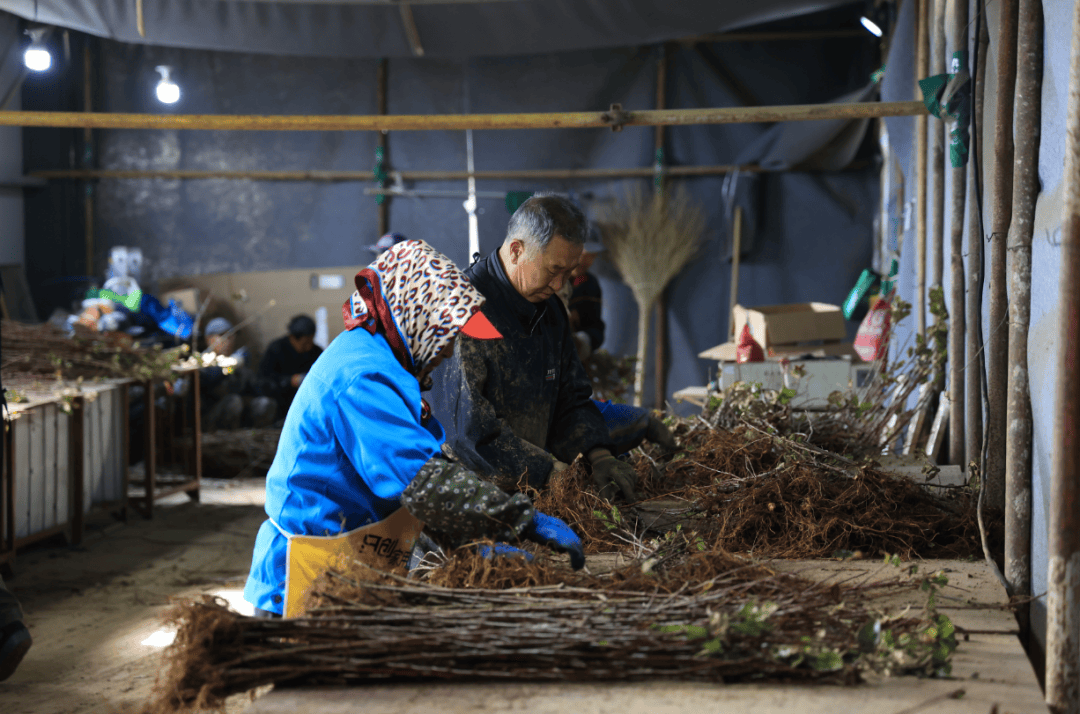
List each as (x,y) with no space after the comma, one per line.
(460,122)
(524,174)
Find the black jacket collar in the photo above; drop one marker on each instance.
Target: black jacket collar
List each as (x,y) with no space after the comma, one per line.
(489,277)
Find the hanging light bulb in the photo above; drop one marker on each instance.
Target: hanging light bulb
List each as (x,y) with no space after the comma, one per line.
(168,92)
(37,57)
(871,26)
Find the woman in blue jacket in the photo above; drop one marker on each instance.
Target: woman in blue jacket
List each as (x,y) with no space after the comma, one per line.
(359,469)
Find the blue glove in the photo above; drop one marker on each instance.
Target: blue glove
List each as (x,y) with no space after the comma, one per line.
(550,531)
(502,550)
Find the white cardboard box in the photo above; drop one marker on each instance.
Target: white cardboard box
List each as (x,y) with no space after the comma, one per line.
(820,378)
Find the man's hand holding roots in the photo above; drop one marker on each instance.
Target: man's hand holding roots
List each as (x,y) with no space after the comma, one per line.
(612,476)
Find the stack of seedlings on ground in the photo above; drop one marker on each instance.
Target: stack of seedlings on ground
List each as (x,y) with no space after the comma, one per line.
(239,453)
(679,615)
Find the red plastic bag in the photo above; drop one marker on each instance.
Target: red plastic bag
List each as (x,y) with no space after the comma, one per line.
(872,339)
(748,350)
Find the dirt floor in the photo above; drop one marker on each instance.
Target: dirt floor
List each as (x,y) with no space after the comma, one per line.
(93,611)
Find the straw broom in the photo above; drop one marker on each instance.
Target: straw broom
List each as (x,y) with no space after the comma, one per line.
(650,237)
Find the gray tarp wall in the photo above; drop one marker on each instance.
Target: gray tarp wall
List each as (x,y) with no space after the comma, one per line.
(1043,338)
(814,230)
(11,207)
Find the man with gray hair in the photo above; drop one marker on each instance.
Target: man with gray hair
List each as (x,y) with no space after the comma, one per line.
(518,407)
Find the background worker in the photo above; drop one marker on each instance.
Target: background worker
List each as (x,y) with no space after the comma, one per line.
(628,426)
(229,395)
(286,361)
(521,405)
(359,468)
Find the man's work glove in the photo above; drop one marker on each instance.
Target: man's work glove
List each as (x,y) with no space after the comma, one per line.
(612,476)
(658,433)
(552,532)
(502,550)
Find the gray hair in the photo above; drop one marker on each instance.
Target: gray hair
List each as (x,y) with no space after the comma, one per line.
(544,216)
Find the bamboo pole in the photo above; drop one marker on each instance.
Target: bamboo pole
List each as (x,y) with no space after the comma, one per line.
(88,147)
(461,122)
(997,353)
(957,286)
(736,252)
(317,175)
(974,360)
(1025,191)
(1063,575)
(660,386)
(380,107)
(922,42)
(936,199)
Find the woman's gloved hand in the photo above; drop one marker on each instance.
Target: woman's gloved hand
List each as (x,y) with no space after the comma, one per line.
(552,532)
(502,550)
(612,476)
(658,433)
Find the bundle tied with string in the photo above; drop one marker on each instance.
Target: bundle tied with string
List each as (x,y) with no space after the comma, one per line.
(650,237)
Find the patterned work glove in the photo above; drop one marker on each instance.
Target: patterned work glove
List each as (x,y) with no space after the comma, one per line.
(611,476)
(502,550)
(552,532)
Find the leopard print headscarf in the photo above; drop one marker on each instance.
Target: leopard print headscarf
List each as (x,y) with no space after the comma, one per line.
(416,297)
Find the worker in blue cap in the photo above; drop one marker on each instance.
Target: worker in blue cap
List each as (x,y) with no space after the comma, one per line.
(387,242)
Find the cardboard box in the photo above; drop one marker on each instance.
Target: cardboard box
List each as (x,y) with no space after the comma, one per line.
(187,299)
(819,378)
(790,324)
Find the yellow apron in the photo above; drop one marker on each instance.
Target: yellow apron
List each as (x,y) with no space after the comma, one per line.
(385,546)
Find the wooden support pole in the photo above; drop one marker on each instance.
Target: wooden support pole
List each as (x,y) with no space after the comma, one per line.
(1018,413)
(660,386)
(975,358)
(88,149)
(937,131)
(380,107)
(922,64)
(1063,575)
(461,122)
(997,338)
(736,253)
(957,285)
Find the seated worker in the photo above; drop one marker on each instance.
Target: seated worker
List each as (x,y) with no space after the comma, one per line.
(286,361)
(629,426)
(585,303)
(523,404)
(359,468)
(229,395)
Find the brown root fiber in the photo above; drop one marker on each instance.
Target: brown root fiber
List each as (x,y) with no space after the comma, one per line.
(747,490)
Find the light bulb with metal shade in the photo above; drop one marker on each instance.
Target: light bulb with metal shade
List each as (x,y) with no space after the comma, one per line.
(37,57)
(871,26)
(168,92)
